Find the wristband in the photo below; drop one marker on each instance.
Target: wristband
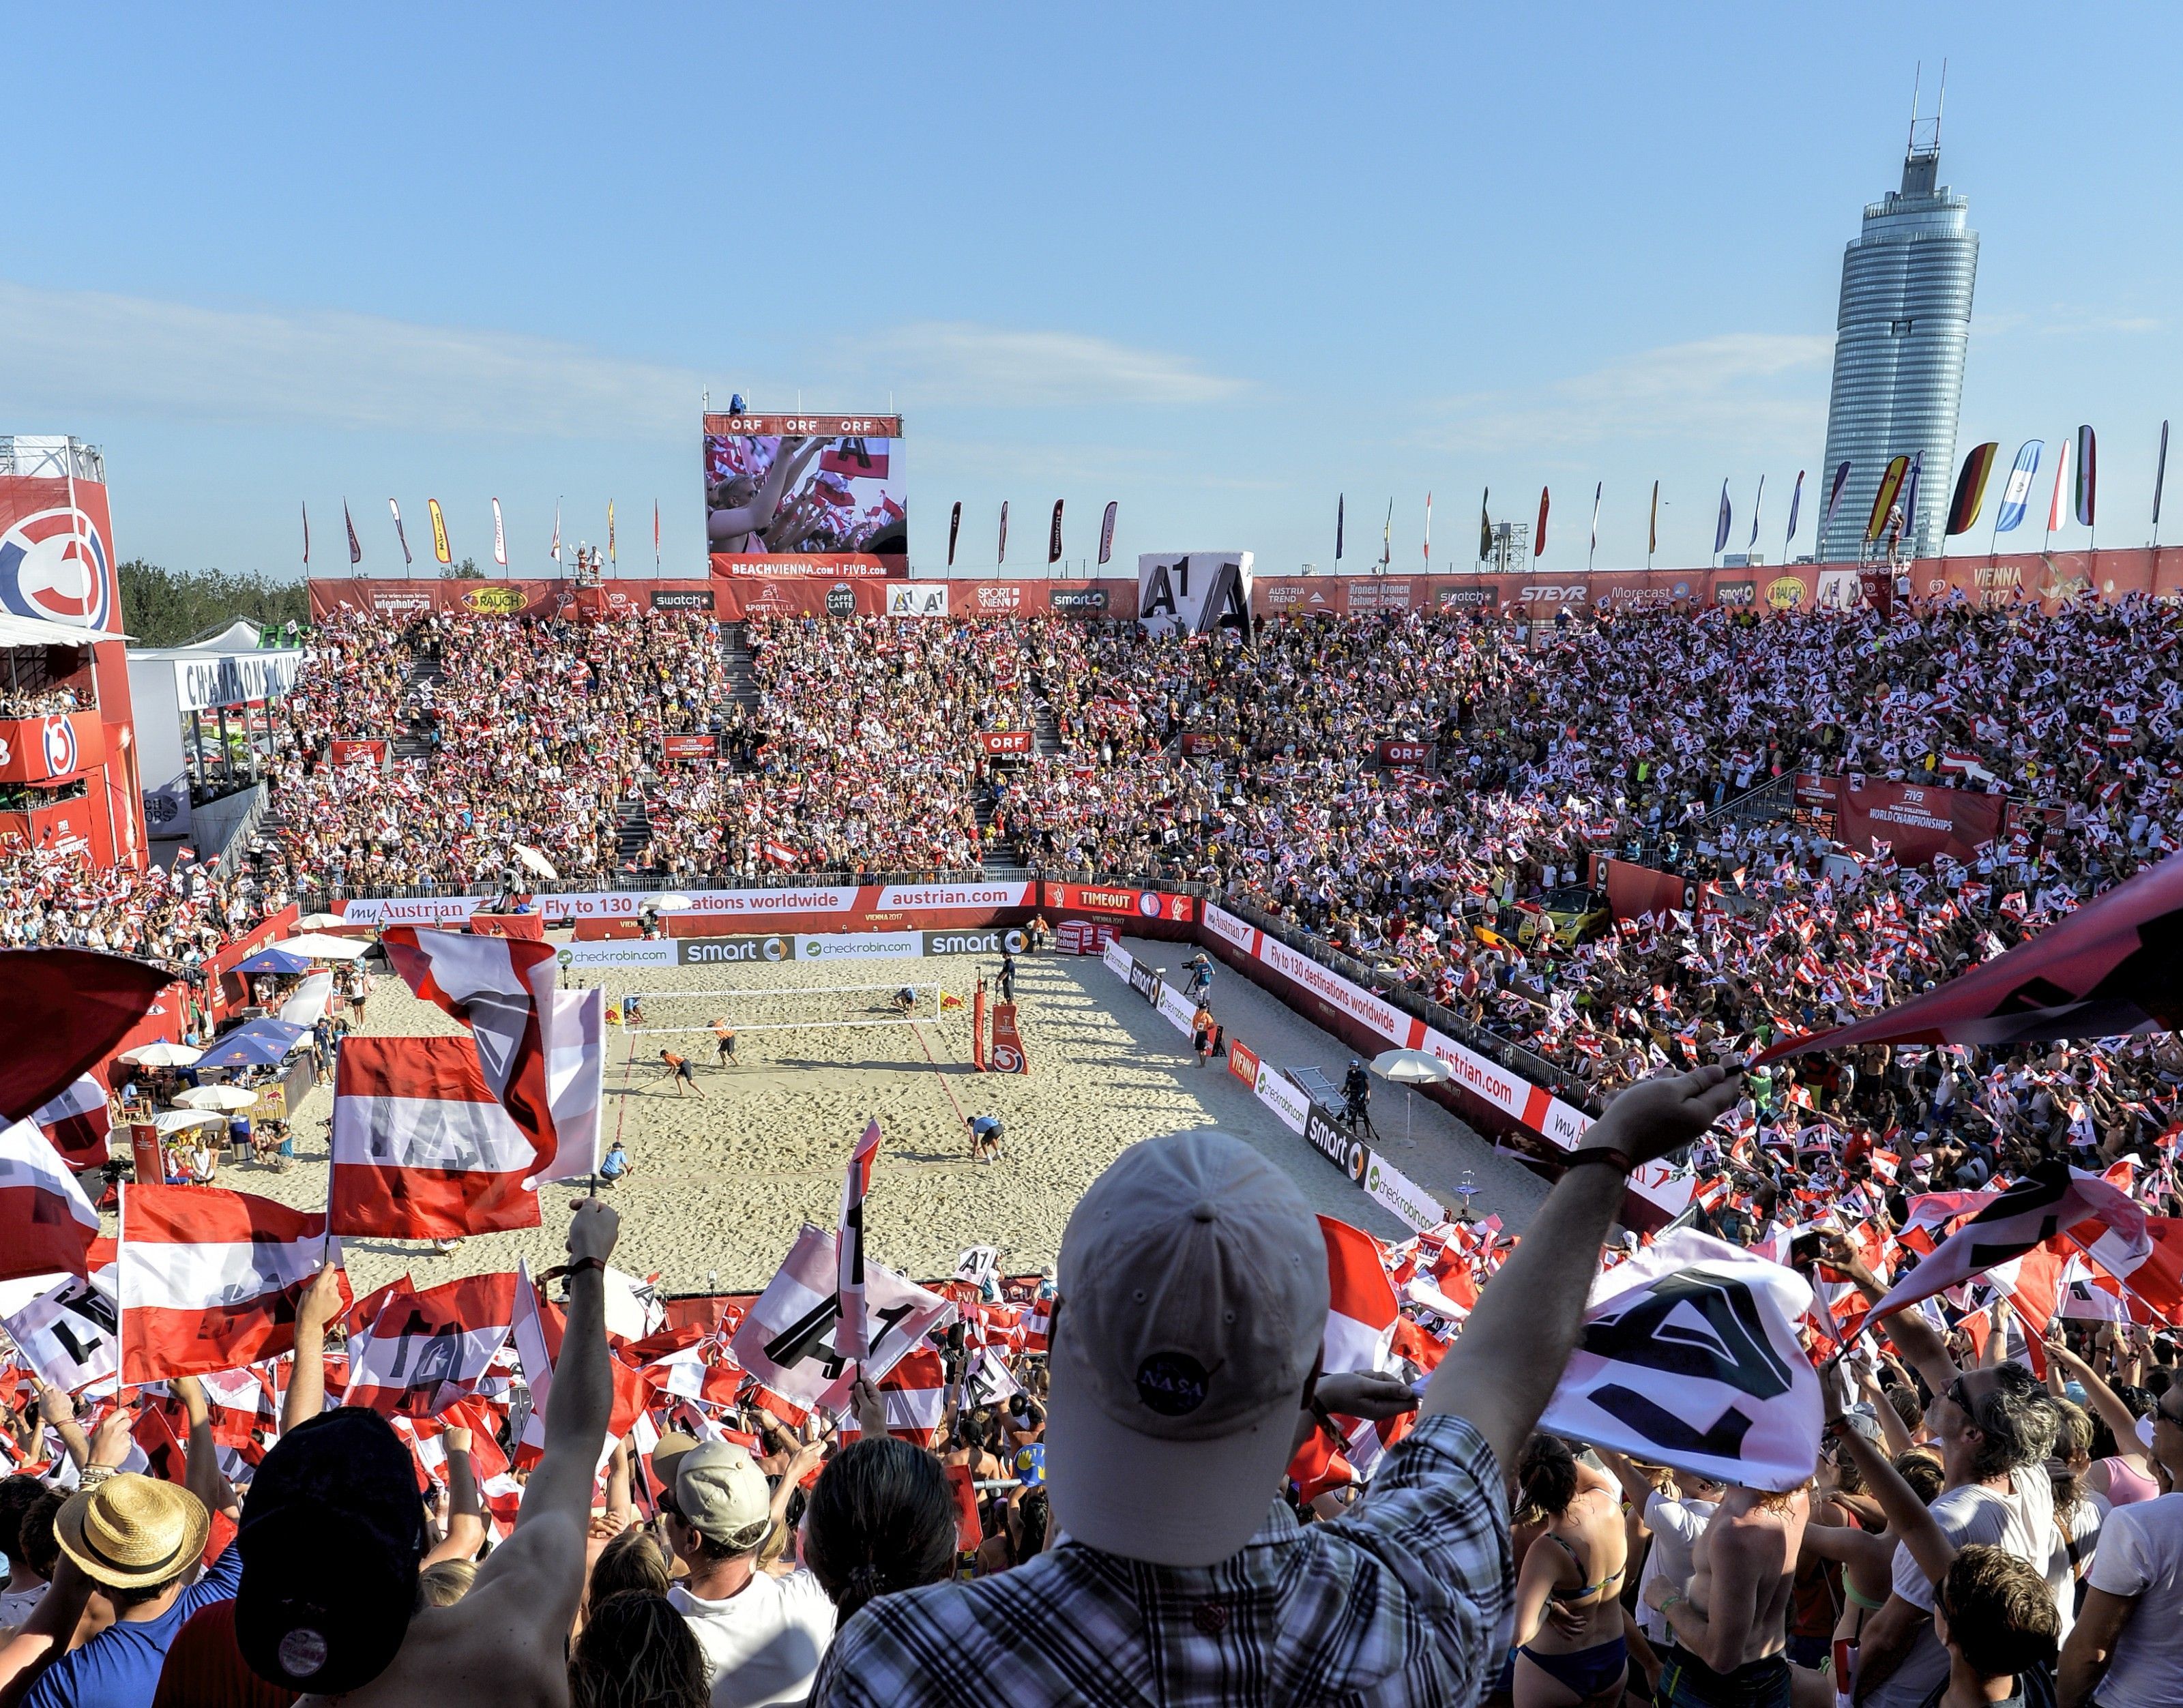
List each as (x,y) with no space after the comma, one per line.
(582,1264)
(1608,1154)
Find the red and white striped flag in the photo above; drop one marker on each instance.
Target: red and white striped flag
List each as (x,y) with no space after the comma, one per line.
(1362,1308)
(849,1245)
(916,1394)
(421,1149)
(209,1278)
(47,1224)
(77,1120)
(426,1350)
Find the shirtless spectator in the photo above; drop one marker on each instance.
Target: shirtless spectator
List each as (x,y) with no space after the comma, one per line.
(1731,1621)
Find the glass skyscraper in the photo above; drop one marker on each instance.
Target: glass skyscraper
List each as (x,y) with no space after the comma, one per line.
(1899,342)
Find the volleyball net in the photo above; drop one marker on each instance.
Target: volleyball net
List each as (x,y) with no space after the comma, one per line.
(665,1013)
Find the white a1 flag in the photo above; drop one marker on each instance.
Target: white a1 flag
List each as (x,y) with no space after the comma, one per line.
(1690,1358)
(788,1341)
(71,1334)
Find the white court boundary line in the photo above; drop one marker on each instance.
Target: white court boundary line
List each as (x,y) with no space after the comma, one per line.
(785,990)
(791,1026)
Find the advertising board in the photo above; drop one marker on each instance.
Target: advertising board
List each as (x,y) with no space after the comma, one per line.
(813,494)
(1193,592)
(688,746)
(1004,741)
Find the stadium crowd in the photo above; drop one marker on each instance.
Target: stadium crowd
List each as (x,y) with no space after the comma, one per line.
(1191,1487)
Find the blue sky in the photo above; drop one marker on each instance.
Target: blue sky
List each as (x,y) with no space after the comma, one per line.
(1219,263)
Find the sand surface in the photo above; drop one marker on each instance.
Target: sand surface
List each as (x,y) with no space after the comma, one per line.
(722,1181)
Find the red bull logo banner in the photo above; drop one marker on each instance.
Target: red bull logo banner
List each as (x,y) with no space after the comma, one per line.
(56,553)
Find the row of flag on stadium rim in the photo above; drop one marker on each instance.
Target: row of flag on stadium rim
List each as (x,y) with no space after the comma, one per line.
(205,1281)
(2075,494)
(443,549)
(1052,533)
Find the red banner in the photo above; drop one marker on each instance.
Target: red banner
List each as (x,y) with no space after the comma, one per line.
(1197,743)
(1243,1063)
(1406,756)
(341,753)
(764,594)
(1005,740)
(1091,898)
(2050,580)
(1632,889)
(1918,821)
(529,926)
(688,746)
(1007,1053)
(36,750)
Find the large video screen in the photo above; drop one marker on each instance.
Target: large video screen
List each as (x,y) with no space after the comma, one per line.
(805,495)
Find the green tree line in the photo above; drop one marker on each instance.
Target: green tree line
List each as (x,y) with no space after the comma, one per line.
(169,608)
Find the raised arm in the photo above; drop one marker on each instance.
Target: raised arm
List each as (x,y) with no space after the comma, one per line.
(1921,1346)
(465,1509)
(1908,1519)
(318,1304)
(2105,1401)
(204,1478)
(58,1411)
(1503,1371)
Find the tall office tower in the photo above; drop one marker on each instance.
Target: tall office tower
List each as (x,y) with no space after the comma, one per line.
(1899,342)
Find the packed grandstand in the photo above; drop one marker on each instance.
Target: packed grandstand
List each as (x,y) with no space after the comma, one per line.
(1464,870)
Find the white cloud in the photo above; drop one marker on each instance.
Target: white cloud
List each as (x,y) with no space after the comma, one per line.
(956,362)
(82,352)
(1740,385)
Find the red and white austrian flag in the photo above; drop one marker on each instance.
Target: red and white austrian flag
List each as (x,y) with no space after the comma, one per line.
(47,1224)
(209,1278)
(1362,1308)
(422,1150)
(426,1350)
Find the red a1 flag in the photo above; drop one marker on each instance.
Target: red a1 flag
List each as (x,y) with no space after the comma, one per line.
(209,1278)
(425,1351)
(77,1122)
(422,1150)
(47,1224)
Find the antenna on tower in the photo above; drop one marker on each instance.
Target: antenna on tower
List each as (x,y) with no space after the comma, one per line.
(1917,82)
(1941,106)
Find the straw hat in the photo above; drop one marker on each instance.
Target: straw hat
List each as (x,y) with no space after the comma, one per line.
(132,1532)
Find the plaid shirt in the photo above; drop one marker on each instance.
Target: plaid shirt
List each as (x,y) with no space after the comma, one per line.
(1398,1602)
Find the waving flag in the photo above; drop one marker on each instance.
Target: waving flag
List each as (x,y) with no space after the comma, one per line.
(422,1150)
(355,545)
(915,1394)
(1598,491)
(655,536)
(790,1339)
(1796,503)
(47,1224)
(1653,531)
(440,547)
(1485,525)
(1883,500)
(2113,966)
(1539,538)
(2016,497)
(1758,504)
(1428,530)
(2057,513)
(2160,475)
(84,1004)
(499,537)
(1720,527)
(611,557)
(1362,1308)
(424,1351)
(1341,509)
(70,1334)
(306,535)
(954,528)
(2053,1199)
(1053,535)
(557,530)
(398,534)
(1106,533)
(1690,1357)
(1910,495)
(77,1120)
(209,1278)
(849,1244)
(1834,495)
(1970,486)
(1001,555)
(2087,476)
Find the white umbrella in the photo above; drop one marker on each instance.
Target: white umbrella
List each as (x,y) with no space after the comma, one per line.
(162,1054)
(320,921)
(216,1097)
(531,860)
(175,1120)
(1411,1068)
(671,902)
(320,947)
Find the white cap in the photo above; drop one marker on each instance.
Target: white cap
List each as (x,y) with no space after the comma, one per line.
(1193,1299)
(719,1491)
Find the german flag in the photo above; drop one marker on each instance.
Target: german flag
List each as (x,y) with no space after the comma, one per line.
(1970,486)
